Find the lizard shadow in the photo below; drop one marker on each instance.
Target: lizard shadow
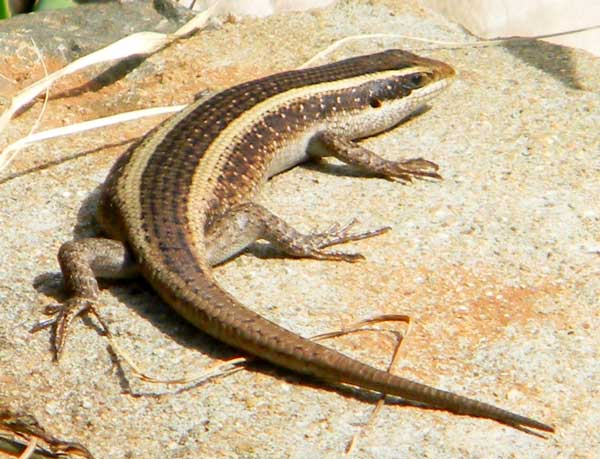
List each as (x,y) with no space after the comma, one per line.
(560,62)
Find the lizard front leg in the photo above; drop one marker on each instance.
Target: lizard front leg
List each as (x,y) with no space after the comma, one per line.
(327,143)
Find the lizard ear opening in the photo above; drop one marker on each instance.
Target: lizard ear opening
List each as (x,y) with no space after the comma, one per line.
(375,103)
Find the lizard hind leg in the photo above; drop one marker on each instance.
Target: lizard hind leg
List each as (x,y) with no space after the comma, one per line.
(81,263)
(245,223)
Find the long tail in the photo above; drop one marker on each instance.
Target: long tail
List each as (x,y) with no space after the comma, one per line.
(220,315)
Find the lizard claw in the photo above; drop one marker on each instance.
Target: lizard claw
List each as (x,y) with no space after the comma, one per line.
(337,234)
(63,316)
(334,235)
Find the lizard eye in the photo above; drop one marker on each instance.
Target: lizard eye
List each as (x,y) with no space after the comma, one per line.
(416,80)
(375,103)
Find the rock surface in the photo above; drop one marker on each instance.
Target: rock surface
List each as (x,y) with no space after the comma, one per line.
(498,264)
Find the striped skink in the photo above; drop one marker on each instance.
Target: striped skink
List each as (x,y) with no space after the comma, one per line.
(182,200)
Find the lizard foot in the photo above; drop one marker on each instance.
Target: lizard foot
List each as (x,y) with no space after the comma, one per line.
(63,316)
(312,244)
(408,169)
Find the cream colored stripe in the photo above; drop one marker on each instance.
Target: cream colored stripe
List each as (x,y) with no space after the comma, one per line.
(130,182)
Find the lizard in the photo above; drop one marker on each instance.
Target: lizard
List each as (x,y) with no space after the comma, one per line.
(183,200)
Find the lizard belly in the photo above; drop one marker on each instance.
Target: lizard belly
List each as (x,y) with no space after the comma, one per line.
(294,152)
